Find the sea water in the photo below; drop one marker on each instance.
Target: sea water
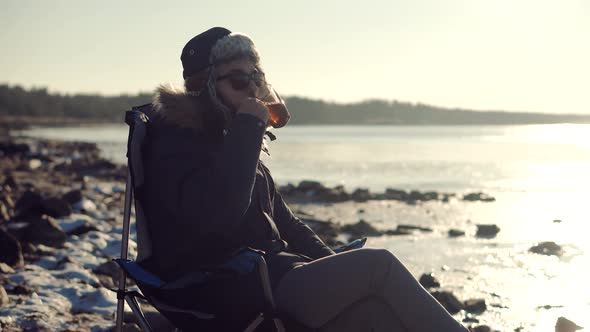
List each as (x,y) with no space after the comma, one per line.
(539,175)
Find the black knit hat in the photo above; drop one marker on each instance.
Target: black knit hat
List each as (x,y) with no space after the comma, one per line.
(195,54)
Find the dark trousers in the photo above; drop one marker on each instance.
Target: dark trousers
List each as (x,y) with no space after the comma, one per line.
(361,290)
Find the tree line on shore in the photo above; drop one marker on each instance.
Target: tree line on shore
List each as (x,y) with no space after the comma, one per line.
(38,102)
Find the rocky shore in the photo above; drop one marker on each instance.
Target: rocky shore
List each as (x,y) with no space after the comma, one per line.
(61,207)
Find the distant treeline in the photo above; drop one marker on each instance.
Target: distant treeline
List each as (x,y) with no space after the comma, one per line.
(16,101)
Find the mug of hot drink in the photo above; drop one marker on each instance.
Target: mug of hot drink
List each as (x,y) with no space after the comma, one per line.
(279,114)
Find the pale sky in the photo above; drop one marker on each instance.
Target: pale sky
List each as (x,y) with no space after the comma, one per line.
(517,55)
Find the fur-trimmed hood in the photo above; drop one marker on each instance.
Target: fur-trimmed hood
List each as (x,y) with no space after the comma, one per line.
(179,108)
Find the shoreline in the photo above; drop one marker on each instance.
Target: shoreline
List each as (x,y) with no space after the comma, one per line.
(82,194)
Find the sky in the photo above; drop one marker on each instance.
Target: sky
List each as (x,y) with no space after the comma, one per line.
(513,55)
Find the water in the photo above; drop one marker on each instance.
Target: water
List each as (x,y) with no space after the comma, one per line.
(538,174)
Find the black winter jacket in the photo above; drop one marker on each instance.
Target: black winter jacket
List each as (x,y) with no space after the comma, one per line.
(207,194)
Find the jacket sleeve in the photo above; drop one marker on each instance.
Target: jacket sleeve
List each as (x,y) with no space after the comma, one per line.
(211,188)
(298,235)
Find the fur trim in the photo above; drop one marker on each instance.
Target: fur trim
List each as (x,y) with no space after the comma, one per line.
(176,106)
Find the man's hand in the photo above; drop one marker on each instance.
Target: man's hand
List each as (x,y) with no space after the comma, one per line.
(254,107)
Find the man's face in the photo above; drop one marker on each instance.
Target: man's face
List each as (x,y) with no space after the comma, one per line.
(233,84)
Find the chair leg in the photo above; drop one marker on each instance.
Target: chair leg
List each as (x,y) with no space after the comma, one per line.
(136,309)
(279,325)
(254,325)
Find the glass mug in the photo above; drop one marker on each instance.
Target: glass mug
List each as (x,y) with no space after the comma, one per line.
(279,114)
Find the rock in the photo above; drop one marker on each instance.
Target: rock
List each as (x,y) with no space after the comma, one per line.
(480,328)
(398,231)
(10,250)
(395,194)
(29,204)
(22,290)
(333,195)
(34,164)
(326,230)
(73,196)
(307,187)
(9,148)
(108,268)
(4,300)
(45,230)
(456,233)
(82,229)
(4,215)
(475,305)
(287,189)
(547,248)
(470,319)
(361,229)
(449,301)
(478,197)
(429,281)
(10,181)
(557,221)
(412,227)
(565,325)
(56,207)
(489,230)
(6,269)
(85,205)
(361,195)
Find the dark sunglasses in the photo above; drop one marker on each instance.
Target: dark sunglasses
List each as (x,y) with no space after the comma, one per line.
(240,81)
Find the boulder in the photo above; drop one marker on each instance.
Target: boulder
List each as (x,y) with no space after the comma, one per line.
(456,233)
(72,196)
(333,195)
(395,194)
(414,228)
(10,250)
(547,248)
(56,207)
(478,197)
(29,204)
(398,231)
(310,187)
(287,189)
(6,269)
(4,214)
(361,195)
(9,148)
(45,230)
(22,290)
(449,301)
(4,300)
(10,181)
(34,164)
(480,328)
(489,230)
(429,281)
(361,229)
(475,305)
(565,325)
(326,230)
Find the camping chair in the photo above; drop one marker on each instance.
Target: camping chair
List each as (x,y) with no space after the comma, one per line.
(246,262)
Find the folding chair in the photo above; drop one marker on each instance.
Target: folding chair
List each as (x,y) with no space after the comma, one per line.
(245,262)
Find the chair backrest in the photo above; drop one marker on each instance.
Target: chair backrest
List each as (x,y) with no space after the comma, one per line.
(138,120)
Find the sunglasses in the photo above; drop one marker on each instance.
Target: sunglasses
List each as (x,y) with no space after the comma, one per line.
(241,81)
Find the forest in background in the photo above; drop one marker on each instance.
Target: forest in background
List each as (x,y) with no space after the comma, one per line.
(16,101)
